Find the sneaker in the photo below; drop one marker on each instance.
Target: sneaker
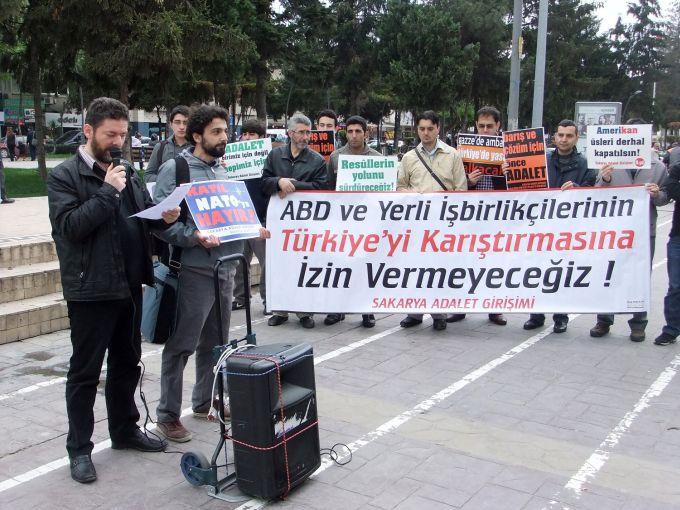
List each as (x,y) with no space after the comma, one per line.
(439,324)
(210,413)
(599,330)
(307,322)
(174,431)
(637,335)
(664,339)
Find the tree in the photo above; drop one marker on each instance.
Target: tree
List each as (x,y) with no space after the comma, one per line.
(579,64)
(423,58)
(39,49)
(668,99)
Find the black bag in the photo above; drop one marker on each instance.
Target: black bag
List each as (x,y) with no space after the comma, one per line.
(159,306)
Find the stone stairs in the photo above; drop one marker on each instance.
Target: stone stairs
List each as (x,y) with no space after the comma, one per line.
(31,302)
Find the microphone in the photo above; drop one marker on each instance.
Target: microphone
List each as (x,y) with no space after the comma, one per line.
(116,156)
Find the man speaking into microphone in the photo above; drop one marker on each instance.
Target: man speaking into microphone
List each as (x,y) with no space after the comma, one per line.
(104,258)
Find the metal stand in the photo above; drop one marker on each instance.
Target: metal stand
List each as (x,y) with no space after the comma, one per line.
(194,465)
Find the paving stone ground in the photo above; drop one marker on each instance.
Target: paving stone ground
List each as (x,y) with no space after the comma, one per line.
(510,439)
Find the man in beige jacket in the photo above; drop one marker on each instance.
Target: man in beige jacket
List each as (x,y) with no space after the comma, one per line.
(445,173)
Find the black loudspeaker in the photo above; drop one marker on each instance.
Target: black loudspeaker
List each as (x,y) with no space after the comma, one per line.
(257,388)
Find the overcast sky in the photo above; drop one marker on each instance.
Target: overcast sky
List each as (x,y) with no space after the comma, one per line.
(614,8)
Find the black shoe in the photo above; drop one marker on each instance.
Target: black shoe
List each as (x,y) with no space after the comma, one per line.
(235,305)
(307,322)
(332,318)
(276,320)
(497,318)
(455,317)
(664,339)
(533,324)
(560,326)
(368,320)
(82,469)
(140,442)
(409,322)
(599,330)
(11,201)
(439,324)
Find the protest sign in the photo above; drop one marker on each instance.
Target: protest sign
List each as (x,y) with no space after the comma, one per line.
(525,155)
(367,173)
(224,209)
(583,250)
(485,153)
(624,147)
(322,142)
(245,160)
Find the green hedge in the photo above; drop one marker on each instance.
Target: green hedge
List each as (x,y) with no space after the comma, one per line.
(24,182)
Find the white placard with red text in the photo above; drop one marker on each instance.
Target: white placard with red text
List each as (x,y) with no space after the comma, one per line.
(582,250)
(624,147)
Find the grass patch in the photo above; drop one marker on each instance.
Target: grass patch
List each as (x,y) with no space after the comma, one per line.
(24,182)
(51,155)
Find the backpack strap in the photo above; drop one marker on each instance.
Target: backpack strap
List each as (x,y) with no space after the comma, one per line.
(181,177)
(434,175)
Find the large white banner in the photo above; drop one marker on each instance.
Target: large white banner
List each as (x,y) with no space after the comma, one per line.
(581,250)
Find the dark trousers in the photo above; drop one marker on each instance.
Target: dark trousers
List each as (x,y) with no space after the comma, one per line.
(95,327)
(671,303)
(540,317)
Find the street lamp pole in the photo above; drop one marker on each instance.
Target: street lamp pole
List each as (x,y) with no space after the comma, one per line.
(625,108)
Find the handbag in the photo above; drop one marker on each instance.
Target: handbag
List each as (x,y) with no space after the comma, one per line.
(159,303)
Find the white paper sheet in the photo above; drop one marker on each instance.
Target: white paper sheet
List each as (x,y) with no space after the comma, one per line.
(171,201)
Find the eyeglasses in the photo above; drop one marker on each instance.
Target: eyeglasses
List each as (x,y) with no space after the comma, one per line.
(303,133)
(486,126)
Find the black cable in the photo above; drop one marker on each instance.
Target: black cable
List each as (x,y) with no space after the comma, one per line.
(334,455)
(142,396)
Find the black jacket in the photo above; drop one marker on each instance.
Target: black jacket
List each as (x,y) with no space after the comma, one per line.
(672,188)
(84,217)
(308,170)
(575,170)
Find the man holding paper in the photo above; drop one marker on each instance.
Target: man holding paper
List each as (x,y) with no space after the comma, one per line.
(196,327)
(288,169)
(104,258)
(567,169)
(652,178)
(432,166)
(357,132)
(488,123)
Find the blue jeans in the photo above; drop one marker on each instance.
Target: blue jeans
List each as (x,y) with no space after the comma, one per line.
(671,303)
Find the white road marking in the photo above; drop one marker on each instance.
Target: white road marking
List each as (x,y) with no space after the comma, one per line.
(597,460)
(64,461)
(60,380)
(421,408)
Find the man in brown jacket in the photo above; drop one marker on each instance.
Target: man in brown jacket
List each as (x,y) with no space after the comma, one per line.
(447,174)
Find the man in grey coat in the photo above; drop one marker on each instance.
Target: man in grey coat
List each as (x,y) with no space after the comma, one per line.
(652,178)
(196,327)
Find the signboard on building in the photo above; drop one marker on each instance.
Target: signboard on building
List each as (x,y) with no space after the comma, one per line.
(594,114)
(69,120)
